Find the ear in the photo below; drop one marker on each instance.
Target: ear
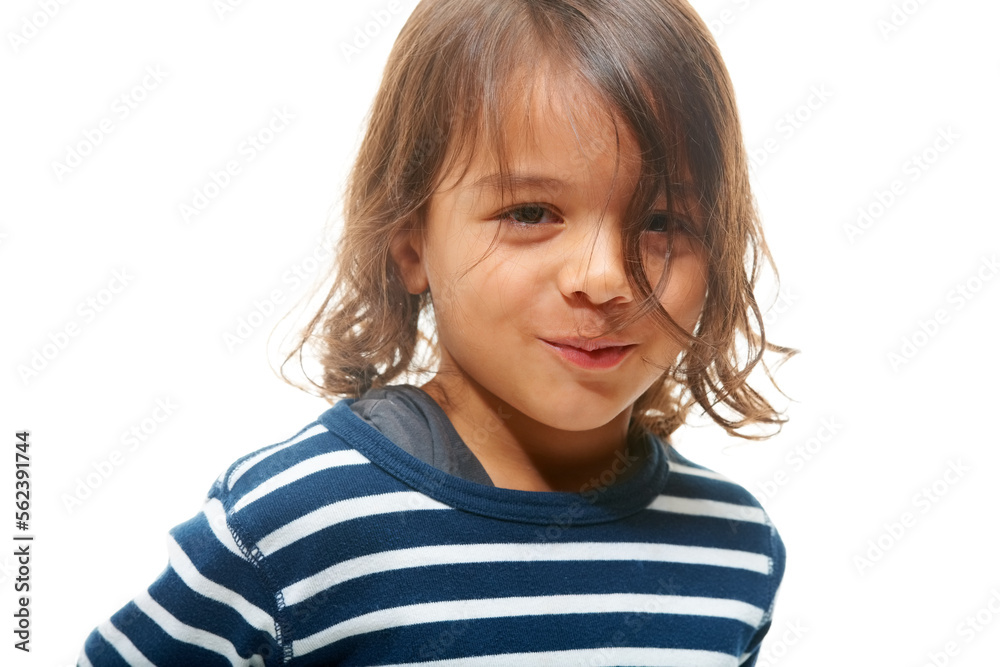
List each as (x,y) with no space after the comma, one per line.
(407,250)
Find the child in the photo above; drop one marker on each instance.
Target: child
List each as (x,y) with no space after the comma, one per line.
(562,185)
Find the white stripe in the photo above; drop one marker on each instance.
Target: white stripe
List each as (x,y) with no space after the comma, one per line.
(704,507)
(299,470)
(448,554)
(188,634)
(215,513)
(345,510)
(254,460)
(455,610)
(126,649)
(199,583)
(83,660)
(699,472)
(598,657)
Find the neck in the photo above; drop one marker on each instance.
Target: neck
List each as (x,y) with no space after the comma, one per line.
(521,453)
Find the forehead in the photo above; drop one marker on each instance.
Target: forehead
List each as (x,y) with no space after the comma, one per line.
(559,109)
(554,135)
(552,125)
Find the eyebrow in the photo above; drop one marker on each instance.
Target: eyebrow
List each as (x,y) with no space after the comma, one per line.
(497,181)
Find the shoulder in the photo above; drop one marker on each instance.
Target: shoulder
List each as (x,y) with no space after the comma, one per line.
(310,489)
(311,448)
(699,491)
(688,477)
(277,459)
(280,482)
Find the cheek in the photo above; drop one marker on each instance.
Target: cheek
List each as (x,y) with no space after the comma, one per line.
(684,296)
(475,304)
(445,262)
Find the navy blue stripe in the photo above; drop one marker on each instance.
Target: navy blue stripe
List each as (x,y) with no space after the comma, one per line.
(162,649)
(523,634)
(505,579)
(198,611)
(281,459)
(477,514)
(692,486)
(217,563)
(100,652)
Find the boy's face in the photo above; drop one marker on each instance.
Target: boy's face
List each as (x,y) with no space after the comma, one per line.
(562,277)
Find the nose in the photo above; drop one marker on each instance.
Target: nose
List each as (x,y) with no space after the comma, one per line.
(593,268)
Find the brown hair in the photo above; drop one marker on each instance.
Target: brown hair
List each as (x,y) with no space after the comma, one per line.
(654,65)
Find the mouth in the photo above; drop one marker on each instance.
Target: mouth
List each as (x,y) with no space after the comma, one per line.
(602,355)
(588,344)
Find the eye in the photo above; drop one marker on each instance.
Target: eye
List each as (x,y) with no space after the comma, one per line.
(659,222)
(672,225)
(527,215)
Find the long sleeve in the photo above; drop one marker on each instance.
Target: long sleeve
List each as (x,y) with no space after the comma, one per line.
(210,606)
(336,546)
(778,558)
(749,659)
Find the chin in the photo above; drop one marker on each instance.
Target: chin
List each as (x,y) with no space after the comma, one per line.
(580,417)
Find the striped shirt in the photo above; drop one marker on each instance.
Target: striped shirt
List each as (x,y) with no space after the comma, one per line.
(337,547)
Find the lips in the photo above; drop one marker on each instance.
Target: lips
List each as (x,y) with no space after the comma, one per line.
(604,355)
(588,344)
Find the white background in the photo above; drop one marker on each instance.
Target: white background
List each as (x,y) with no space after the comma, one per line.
(892,429)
